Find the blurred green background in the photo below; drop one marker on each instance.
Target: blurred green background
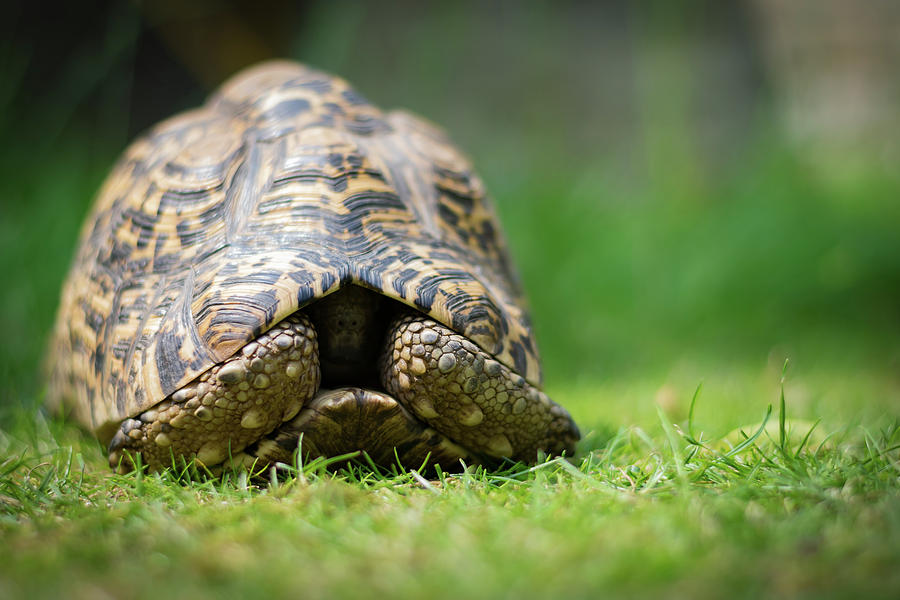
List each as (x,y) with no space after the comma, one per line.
(689,188)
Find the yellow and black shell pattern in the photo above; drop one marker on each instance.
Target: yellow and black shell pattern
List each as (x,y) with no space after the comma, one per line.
(285,186)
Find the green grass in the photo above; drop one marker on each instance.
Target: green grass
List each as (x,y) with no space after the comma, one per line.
(655,509)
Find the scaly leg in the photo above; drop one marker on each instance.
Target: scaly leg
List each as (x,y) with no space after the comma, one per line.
(231,405)
(352,419)
(462,392)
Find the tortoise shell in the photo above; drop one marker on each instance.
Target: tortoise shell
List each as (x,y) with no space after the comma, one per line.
(284,187)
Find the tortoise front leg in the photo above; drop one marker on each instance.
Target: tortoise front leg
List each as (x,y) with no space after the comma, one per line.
(231,405)
(464,393)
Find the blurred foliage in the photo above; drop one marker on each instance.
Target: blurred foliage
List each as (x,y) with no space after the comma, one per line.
(656,210)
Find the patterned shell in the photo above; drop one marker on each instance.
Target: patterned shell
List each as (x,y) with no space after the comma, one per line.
(224,220)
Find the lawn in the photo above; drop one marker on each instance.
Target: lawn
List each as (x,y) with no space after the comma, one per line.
(724,330)
(650,509)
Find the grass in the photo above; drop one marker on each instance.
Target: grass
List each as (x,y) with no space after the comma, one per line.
(658,510)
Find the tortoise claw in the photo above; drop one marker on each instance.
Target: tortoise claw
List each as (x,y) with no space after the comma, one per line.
(119,444)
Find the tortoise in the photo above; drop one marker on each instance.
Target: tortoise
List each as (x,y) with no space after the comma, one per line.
(290,267)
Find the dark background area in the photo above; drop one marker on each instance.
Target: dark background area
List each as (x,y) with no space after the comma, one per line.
(702,182)
(118,68)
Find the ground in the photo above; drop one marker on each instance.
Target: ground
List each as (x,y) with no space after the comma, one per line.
(651,509)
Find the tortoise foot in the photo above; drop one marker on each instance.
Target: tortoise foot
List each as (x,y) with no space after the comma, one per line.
(449,383)
(229,406)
